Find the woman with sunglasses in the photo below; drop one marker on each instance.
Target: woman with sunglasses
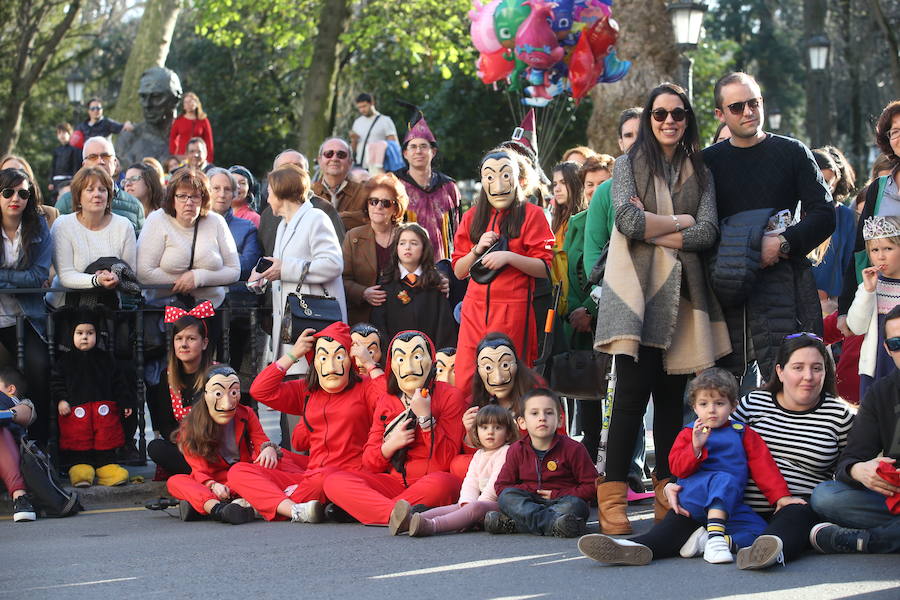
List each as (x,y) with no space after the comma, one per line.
(25,256)
(12,161)
(367,248)
(657,313)
(805,427)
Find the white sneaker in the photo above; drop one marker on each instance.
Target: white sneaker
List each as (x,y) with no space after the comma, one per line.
(307,512)
(717,551)
(695,544)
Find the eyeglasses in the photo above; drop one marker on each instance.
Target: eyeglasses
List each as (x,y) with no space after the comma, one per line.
(183,198)
(893,134)
(737,108)
(802,334)
(385,203)
(96,157)
(341,154)
(133,179)
(660,114)
(893,343)
(95,107)
(23,194)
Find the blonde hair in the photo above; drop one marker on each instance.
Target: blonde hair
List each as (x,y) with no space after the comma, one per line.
(200,114)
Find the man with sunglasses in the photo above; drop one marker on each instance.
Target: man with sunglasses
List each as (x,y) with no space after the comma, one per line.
(759,170)
(99,152)
(98,125)
(347,197)
(863,503)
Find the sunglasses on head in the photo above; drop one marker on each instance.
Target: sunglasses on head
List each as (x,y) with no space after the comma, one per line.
(385,203)
(23,194)
(802,334)
(341,154)
(893,343)
(660,114)
(737,108)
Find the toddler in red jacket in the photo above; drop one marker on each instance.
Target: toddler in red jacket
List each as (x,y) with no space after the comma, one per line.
(548,477)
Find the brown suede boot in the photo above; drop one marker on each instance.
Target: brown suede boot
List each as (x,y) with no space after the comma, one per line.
(611,504)
(661,503)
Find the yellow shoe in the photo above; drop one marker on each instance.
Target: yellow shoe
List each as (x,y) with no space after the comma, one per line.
(81,475)
(111,475)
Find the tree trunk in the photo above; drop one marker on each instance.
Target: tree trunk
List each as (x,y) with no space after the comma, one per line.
(890,39)
(646,39)
(150,49)
(318,89)
(30,59)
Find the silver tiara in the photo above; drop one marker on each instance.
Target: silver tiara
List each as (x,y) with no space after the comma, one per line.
(879,227)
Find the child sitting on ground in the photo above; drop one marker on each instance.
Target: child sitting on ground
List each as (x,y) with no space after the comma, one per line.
(548,478)
(92,395)
(15,415)
(712,458)
(494,430)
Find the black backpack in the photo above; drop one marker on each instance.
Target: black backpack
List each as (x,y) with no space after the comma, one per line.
(47,494)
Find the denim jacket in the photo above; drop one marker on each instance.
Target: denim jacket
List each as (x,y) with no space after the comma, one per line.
(32,275)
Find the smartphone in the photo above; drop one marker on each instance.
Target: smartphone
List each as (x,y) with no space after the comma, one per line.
(263,265)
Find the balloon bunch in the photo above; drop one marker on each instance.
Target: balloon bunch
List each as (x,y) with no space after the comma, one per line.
(545,49)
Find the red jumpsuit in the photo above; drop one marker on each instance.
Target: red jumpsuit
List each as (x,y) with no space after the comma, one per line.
(334,431)
(249,435)
(370,495)
(504,304)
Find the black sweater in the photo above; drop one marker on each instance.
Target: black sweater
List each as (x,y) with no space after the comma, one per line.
(876,428)
(775,173)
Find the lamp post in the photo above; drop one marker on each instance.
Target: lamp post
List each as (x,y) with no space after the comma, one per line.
(75,90)
(774,116)
(818,48)
(687,22)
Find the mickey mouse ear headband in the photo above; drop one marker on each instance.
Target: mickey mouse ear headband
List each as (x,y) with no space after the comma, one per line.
(202,311)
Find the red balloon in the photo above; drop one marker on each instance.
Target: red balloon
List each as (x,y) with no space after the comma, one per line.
(494,66)
(581,68)
(602,35)
(77,139)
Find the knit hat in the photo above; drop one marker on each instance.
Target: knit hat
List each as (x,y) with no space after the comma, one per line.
(339,332)
(253,186)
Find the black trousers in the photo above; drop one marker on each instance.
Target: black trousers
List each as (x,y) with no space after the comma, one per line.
(167,455)
(37,374)
(635,381)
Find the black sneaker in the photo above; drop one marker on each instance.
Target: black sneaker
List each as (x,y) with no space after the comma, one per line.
(829,538)
(187,512)
(237,514)
(567,526)
(496,522)
(335,513)
(23,511)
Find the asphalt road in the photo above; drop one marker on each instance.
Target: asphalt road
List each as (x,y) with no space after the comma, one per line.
(135,553)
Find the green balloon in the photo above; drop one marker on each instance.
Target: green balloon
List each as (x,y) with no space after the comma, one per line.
(507,18)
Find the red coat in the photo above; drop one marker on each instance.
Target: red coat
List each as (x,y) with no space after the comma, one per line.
(683,462)
(336,425)
(501,305)
(426,455)
(249,435)
(183,129)
(572,473)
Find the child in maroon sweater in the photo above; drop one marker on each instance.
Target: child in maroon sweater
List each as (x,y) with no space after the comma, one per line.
(544,486)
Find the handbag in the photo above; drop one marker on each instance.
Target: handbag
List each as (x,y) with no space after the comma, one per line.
(480,273)
(307,311)
(599,269)
(187,300)
(580,374)
(50,498)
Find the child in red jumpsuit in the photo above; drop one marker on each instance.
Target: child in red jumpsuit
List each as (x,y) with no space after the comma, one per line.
(521,240)
(336,406)
(413,437)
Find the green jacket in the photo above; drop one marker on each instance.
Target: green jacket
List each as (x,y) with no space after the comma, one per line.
(123,204)
(578,297)
(601,219)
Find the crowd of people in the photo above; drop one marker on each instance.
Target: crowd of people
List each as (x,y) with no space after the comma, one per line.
(407,352)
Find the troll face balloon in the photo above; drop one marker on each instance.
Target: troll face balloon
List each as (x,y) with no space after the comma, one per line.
(497,367)
(445,365)
(222,393)
(411,361)
(500,179)
(332,363)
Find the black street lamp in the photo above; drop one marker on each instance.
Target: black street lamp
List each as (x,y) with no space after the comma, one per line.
(774,116)
(818,47)
(687,22)
(75,90)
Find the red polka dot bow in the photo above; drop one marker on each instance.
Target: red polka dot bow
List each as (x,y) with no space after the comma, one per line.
(201,311)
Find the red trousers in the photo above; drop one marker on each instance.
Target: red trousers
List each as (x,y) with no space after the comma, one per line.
(370,497)
(185,487)
(265,488)
(9,462)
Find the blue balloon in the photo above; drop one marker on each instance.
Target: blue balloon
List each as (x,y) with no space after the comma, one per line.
(613,68)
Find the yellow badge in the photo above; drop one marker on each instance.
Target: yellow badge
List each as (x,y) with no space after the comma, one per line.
(737,426)
(551,465)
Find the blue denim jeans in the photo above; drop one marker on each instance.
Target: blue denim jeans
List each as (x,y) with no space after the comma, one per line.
(857,508)
(535,514)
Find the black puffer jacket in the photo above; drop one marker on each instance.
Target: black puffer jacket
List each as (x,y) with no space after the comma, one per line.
(766,303)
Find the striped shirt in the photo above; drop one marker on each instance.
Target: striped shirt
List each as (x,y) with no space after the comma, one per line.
(805,444)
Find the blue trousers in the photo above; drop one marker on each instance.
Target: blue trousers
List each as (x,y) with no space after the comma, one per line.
(857,508)
(535,514)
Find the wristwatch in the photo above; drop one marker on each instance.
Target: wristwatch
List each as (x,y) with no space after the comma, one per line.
(785,247)
(426,422)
